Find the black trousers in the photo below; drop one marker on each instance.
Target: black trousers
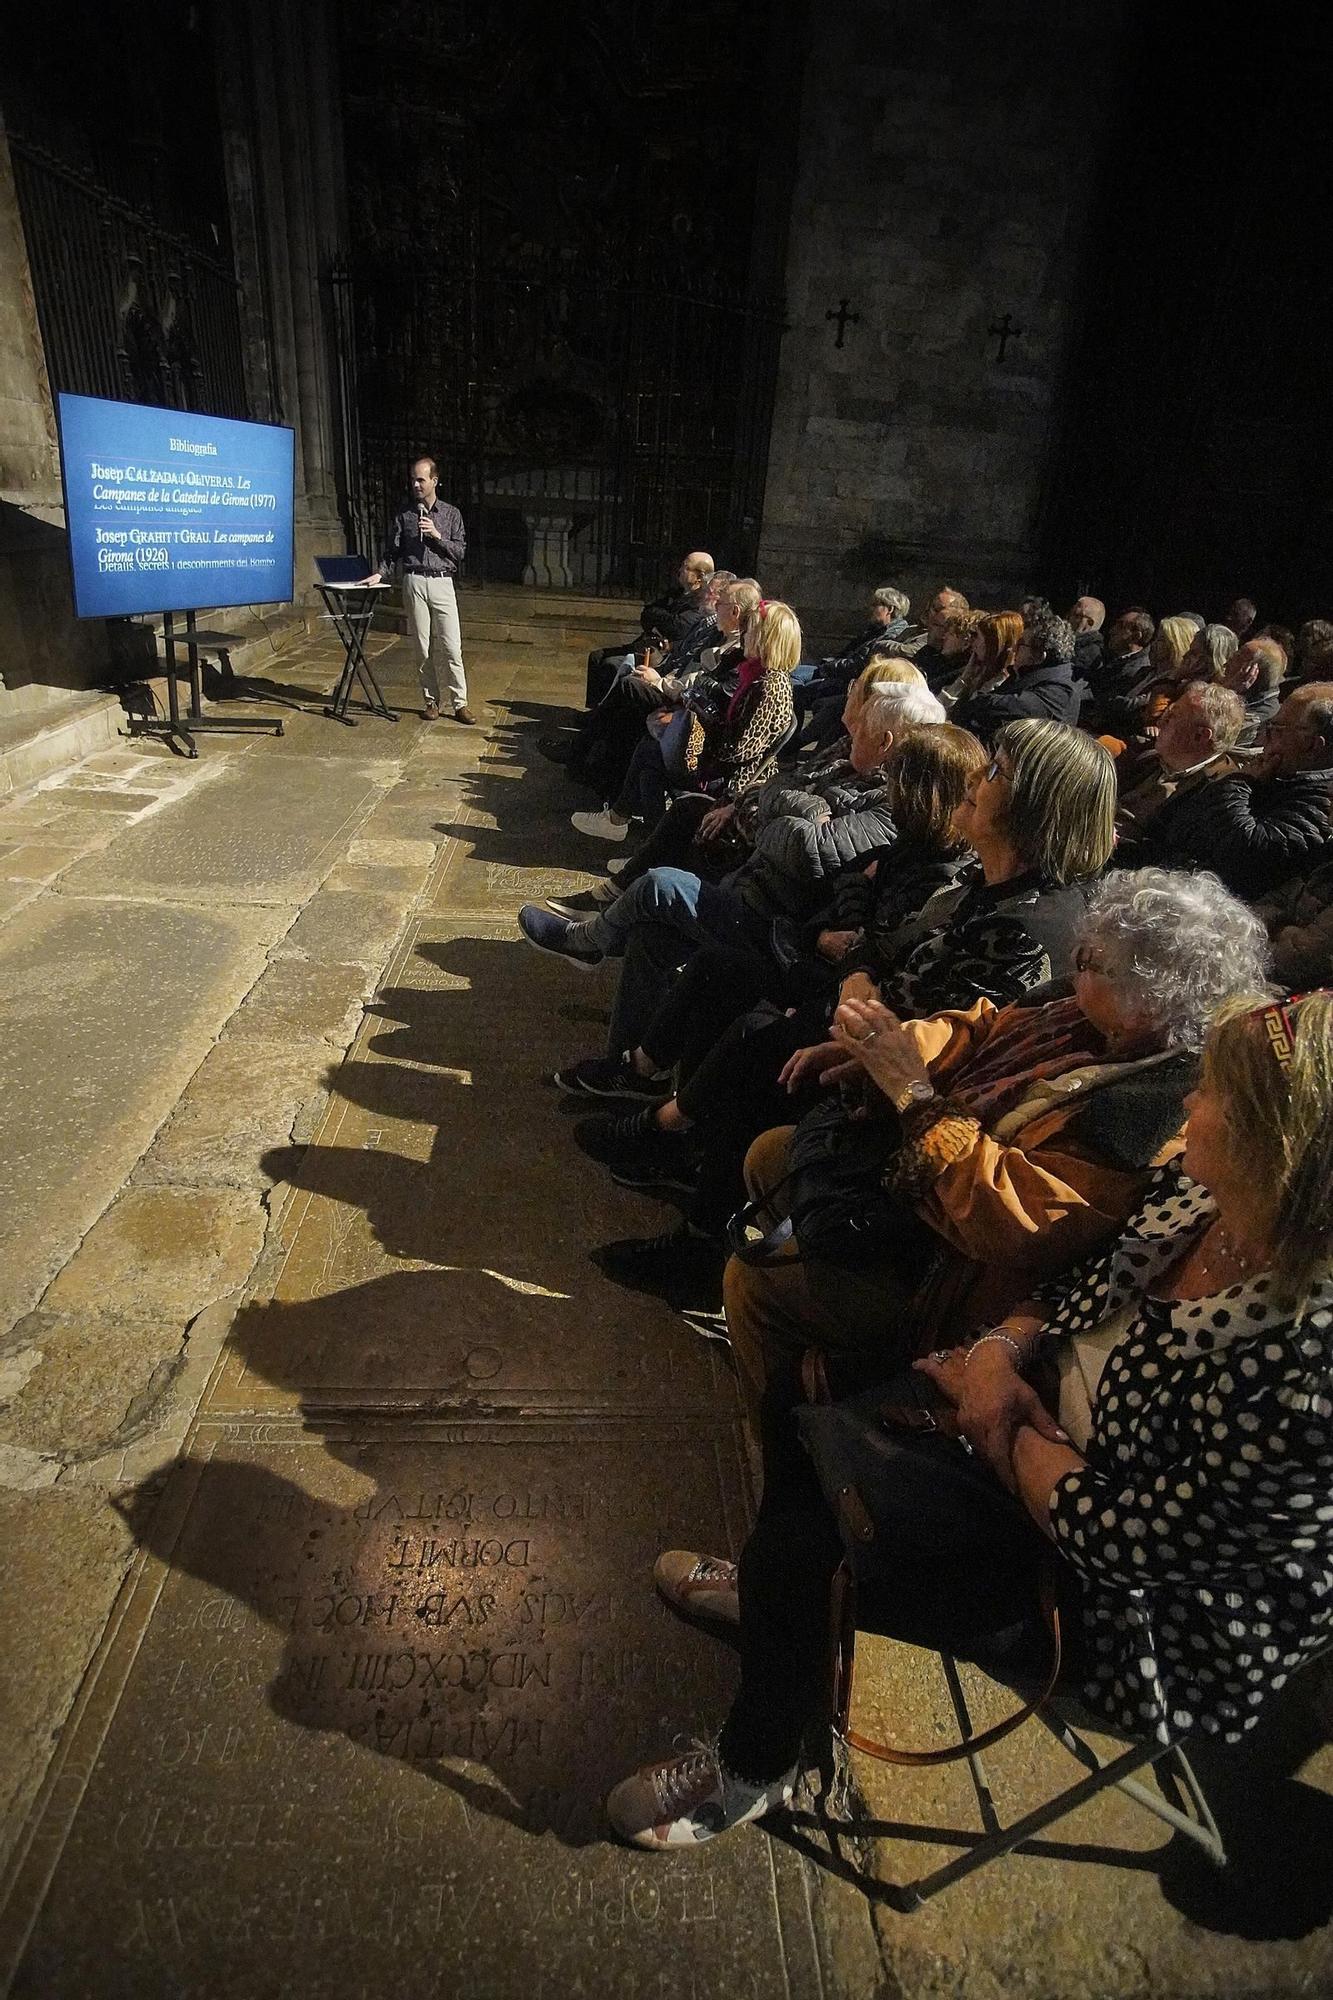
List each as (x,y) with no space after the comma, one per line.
(608,737)
(956,1567)
(720,1023)
(672,844)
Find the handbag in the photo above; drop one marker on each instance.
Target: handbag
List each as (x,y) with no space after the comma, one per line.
(851,1443)
(838,1211)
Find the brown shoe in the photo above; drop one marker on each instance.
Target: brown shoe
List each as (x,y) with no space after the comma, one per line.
(431,711)
(464,714)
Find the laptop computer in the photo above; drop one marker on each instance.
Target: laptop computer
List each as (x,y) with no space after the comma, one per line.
(343,570)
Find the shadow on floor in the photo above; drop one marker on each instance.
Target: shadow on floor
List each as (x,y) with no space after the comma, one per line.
(508,1320)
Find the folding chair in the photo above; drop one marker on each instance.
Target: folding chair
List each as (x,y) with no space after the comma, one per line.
(1186,1811)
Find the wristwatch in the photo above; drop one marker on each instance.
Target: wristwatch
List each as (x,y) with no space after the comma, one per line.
(919,1091)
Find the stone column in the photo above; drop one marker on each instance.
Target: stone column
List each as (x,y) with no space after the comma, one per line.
(42,643)
(279,97)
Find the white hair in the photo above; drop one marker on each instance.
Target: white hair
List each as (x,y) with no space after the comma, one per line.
(1176,945)
(895,705)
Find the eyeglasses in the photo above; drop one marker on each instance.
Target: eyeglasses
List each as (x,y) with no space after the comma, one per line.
(1086,960)
(995,769)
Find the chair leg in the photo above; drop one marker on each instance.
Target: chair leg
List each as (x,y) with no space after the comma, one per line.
(1198,1824)
(981,1785)
(1010,1837)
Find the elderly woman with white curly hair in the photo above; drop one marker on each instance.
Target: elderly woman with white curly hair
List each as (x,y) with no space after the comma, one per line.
(986,1147)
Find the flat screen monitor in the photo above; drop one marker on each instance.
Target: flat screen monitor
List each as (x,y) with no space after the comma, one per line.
(169,511)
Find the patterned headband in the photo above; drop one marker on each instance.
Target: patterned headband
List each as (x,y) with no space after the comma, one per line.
(1279,1021)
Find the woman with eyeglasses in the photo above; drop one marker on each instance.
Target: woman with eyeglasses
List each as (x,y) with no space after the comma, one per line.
(1039,818)
(1152,1434)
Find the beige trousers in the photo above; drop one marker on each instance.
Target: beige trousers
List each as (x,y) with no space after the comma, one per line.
(432,619)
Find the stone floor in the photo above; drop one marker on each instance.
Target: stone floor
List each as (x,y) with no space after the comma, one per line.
(331,1471)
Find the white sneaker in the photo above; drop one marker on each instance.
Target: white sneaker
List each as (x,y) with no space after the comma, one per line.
(619,864)
(600,826)
(700,1586)
(688,1799)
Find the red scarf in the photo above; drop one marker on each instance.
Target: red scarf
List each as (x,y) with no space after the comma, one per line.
(751,670)
(1038,1042)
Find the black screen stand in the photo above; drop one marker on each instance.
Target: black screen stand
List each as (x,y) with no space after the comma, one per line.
(181,730)
(350,612)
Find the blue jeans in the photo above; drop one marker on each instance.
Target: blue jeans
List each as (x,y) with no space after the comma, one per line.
(655,926)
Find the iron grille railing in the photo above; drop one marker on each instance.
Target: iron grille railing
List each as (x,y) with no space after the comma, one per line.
(587,432)
(127,309)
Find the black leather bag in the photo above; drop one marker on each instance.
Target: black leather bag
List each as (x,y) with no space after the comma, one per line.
(837,1209)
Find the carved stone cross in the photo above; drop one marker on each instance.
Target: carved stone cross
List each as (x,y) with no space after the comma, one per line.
(1004,331)
(844,319)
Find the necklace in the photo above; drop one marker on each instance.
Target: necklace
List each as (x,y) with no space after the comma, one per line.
(1217,1251)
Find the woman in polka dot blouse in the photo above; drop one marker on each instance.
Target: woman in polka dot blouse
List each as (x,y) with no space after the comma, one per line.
(1179,1463)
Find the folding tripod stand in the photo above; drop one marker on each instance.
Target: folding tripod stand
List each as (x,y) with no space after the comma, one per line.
(350,608)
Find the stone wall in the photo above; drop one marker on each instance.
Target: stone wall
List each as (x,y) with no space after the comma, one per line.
(42,644)
(947,160)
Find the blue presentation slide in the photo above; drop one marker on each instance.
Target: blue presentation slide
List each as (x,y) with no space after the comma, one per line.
(168,511)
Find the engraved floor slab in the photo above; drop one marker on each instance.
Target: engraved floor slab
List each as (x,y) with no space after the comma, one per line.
(352,1732)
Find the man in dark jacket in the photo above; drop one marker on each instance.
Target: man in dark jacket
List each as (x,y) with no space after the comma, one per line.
(941,657)
(1040,684)
(665,619)
(826,690)
(1087,615)
(1255,830)
(1255,672)
(1124,662)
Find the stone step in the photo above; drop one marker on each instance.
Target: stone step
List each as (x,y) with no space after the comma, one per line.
(39,738)
(250,642)
(514,616)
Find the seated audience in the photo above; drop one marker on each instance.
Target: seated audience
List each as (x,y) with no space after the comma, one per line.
(1254,828)
(888,623)
(664,915)
(1193,1564)
(1299,917)
(692,835)
(938,657)
(663,620)
(1202,725)
(1185,649)
(1125,662)
(1039,818)
(1313,656)
(1039,682)
(1242,617)
(1255,672)
(995,640)
(1087,615)
(598,753)
(732,738)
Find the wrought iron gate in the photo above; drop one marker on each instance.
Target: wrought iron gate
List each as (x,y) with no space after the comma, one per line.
(661,447)
(566,229)
(127,309)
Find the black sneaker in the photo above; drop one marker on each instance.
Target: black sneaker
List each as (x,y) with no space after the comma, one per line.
(633,1140)
(678,1266)
(611,1076)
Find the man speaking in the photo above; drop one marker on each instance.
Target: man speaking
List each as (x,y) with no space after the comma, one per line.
(427,541)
